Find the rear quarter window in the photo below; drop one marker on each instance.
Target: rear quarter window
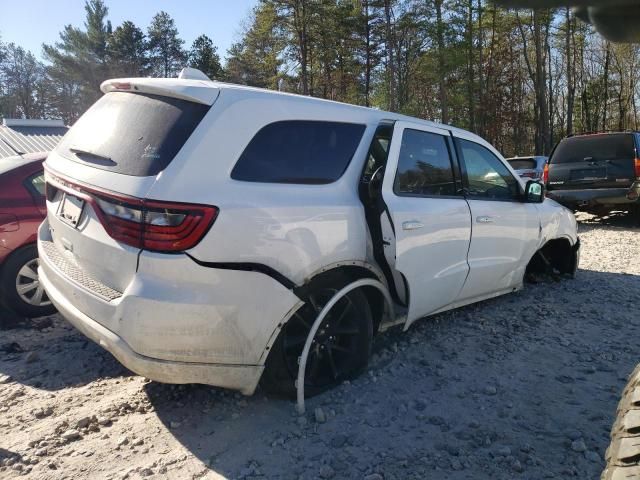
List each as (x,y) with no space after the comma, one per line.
(594,147)
(299,151)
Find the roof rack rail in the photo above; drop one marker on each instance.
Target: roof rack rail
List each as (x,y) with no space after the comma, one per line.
(603,131)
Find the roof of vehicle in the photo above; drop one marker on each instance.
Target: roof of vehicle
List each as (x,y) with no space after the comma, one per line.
(16,161)
(206,92)
(527,157)
(591,134)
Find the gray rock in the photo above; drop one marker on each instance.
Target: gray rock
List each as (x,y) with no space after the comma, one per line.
(517,466)
(578,446)
(338,441)
(592,456)
(104,421)
(326,471)
(374,476)
(32,357)
(319,415)
(490,390)
(71,435)
(83,422)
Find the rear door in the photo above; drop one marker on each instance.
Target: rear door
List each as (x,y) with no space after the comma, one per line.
(593,161)
(505,231)
(118,147)
(430,217)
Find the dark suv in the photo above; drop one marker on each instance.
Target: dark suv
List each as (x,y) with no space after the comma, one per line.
(597,172)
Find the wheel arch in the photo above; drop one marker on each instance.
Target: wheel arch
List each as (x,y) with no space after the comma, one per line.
(353,270)
(557,253)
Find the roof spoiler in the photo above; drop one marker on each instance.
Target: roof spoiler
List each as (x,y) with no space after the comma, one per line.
(192,85)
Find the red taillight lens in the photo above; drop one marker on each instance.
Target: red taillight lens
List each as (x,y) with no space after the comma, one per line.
(154,225)
(637,168)
(545,173)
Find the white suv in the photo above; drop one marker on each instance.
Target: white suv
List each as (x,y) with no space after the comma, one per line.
(196,229)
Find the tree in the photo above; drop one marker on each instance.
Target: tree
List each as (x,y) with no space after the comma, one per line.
(80,56)
(204,56)
(127,50)
(165,47)
(257,59)
(21,74)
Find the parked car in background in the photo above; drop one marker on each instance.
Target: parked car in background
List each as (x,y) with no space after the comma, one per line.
(597,172)
(199,267)
(22,209)
(530,168)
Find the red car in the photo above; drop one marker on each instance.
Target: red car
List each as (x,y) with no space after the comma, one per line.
(22,209)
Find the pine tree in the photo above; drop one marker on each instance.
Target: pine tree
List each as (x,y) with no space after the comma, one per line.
(204,56)
(128,51)
(165,47)
(80,57)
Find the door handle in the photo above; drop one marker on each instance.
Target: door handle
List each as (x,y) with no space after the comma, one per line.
(412,225)
(484,219)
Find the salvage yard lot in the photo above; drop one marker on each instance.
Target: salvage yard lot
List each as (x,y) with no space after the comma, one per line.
(523,386)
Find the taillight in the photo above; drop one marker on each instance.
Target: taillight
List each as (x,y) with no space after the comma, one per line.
(155,225)
(637,168)
(545,173)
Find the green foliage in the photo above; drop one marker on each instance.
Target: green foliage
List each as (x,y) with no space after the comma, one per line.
(127,49)
(204,56)
(166,55)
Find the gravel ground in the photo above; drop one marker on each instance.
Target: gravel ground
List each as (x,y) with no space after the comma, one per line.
(523,386)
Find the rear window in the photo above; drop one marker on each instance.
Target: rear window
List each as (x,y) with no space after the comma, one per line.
(595,147)
(522,164)
(299,151)
(132,133)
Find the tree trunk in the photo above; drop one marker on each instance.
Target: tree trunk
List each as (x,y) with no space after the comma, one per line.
(470,80)
(442,85)
(571,66)
(607,60)
(389,47)
(367,53)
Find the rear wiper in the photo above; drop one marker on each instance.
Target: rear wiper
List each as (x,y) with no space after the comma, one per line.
(102,158)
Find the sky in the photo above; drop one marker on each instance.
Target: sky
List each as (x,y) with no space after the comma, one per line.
(30,23)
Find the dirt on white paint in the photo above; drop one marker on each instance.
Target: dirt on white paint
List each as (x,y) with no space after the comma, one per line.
(523,386)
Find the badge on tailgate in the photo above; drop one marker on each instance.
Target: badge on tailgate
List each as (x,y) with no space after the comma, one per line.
(70,210)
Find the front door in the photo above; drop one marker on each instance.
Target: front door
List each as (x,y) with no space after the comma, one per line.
(505,230)
(430,217)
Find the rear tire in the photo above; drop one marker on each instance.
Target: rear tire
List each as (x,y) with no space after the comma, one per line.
(341,347)
(623,455)
(20,289)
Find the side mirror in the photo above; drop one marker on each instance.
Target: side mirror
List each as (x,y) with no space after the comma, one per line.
(534,192)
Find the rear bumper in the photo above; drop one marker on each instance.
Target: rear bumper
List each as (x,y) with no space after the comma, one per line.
(237,377)
(597,196)
(177,321)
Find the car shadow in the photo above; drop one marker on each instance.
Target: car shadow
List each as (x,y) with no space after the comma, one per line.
(616,220)
(48,353)
(527,370)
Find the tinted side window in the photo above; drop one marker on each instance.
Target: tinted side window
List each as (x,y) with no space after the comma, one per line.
(487,176)
(424,165)
(297,151)
(37,183)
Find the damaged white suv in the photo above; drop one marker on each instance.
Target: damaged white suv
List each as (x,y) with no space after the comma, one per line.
(197,229)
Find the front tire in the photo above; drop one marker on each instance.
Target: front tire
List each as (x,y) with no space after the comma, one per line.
(20,288)
(340,350)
